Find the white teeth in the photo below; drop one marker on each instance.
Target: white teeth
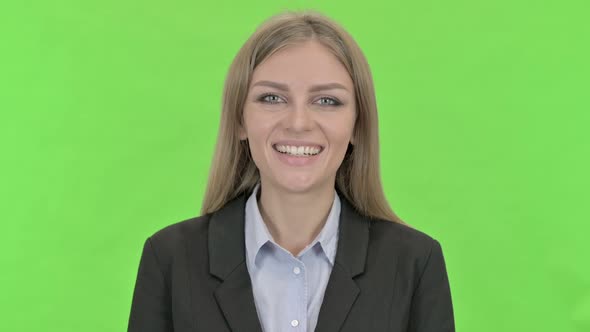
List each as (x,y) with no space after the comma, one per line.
(297,151)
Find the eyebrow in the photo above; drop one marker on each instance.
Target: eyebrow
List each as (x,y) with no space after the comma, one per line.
(314,88)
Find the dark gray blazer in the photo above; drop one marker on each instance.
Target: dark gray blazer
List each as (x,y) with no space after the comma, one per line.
(386,277)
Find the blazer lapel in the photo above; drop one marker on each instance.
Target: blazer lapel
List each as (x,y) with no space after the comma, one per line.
(227,262)
(234,295)
(342,290)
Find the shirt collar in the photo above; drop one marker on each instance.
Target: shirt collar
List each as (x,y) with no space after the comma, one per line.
(257,234)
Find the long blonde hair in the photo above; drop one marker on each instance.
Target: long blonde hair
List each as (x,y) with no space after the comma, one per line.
(233,171)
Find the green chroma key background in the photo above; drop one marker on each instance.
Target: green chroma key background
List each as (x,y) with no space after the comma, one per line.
(109,112)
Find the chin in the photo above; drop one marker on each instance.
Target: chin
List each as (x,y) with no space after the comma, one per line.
(296,184)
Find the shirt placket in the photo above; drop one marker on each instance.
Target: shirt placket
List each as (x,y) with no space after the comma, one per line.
(298,273)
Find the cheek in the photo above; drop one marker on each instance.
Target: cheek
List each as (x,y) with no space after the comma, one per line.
(259,130)
(340,131)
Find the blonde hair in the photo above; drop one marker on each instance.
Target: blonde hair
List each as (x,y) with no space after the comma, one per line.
(233,171)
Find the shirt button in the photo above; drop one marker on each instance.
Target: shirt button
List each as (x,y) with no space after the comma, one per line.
(294,322)
(296,270)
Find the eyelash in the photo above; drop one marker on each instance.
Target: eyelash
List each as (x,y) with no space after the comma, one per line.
(335,101)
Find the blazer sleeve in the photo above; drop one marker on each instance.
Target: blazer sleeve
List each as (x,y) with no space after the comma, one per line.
(432,309)
(151,305)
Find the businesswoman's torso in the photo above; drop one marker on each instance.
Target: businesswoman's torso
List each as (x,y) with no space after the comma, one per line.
(196,275)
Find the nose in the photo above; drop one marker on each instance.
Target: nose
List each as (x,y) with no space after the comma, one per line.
(299,118)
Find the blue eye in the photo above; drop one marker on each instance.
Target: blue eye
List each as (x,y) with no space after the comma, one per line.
(269,98)
(330,101)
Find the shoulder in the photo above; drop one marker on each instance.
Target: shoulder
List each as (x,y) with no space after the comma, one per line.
(172,239)
(181,229)
(409,243)
(404,235)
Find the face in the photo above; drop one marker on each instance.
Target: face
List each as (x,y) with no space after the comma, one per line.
(299,117)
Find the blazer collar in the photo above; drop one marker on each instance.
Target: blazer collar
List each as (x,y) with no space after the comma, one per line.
(227,262)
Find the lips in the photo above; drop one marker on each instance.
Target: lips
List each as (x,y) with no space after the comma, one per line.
(298,144)
(321,148)
(307,152)
(298,160)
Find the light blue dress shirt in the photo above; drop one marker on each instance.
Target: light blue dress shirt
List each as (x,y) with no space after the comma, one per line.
(288,290)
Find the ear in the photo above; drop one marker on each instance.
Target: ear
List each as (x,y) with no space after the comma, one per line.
(242,133)
(353,133)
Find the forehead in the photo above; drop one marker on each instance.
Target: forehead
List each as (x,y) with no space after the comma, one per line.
(303,64)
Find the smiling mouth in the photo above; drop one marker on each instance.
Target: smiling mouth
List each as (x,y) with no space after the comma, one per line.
(307,151)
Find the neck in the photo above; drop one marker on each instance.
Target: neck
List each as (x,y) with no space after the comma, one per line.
(294,219)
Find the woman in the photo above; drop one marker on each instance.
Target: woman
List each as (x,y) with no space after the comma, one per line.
(295,232)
